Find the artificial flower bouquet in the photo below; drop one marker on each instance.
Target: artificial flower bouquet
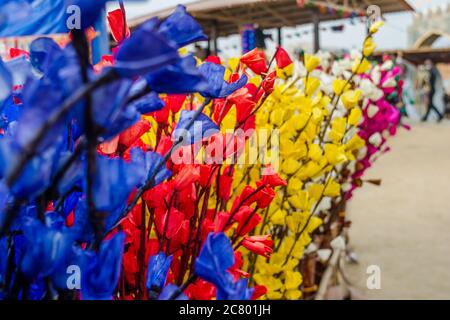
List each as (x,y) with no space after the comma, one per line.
(138,178)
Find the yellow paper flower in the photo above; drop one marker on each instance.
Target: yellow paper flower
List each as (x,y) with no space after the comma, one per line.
(293,294)
(333,189)
(290,166)
(315,152)
(311,85)
(355,143)
(286,72)
(294,185)
(334,154)
(340,86)
(278,218)
(355,117)
(369,47)
(376,26)
(315,191)
(293,280)
(361,67)
(350,98)
(276,117)
(233,63)
(311,62)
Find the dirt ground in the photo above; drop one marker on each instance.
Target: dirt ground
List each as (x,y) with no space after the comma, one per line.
(404,225)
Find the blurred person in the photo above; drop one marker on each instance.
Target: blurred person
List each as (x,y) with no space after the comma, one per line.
(434,76)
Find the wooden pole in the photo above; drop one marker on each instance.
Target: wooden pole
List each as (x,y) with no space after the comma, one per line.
(280,37)
(328,274)
(214,35)
(316,24)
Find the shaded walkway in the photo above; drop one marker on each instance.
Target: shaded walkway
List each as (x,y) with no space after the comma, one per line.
(404,225)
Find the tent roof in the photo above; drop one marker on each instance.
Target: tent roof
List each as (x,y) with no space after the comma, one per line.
(418,56)
(230,15)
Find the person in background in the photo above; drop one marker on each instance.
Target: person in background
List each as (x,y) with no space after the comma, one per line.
(434,74)
(201,52)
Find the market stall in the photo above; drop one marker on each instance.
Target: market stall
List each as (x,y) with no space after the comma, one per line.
(225,18)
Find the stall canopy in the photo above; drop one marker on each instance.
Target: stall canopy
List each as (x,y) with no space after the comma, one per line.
(418,56)
(222,18)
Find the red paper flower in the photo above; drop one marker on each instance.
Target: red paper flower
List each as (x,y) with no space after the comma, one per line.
(187,176)
(271,178)
(207,175)
(105,61)
(162,116)
(213,59)
(261,245)
(256,61)
(282,58)
(258,292)
(265,196)
(15,52)
(269,82)
(243,99)
(174,101)
(133,133)
(225,183)
(118,25)
(221,221)
(173,218)
(109,147)
(201,290)
(247,220)
(235,270)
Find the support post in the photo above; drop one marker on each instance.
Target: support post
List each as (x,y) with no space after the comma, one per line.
(280,38)
(214,35)
(316,24)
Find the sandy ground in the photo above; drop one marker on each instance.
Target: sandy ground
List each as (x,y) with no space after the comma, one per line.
(404,225)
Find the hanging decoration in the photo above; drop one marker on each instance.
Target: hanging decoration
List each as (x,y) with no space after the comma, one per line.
(248,36)
(333,7)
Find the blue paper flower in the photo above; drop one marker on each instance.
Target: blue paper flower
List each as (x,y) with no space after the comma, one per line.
(149,103)
(114,181)
(37,291)
(177,78)
(38,172)
(3,258)
(169,291)
(109,110)
(182,28)
(46,249)
(100,271)
(215,258)
(38,104)
(218,87)
(9,112)
(150,161)
(72,176)
(20,70)
(70,203)
(235,290)
(157,270)
(146,50)
(203,127)
(5,81)
(43,51)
